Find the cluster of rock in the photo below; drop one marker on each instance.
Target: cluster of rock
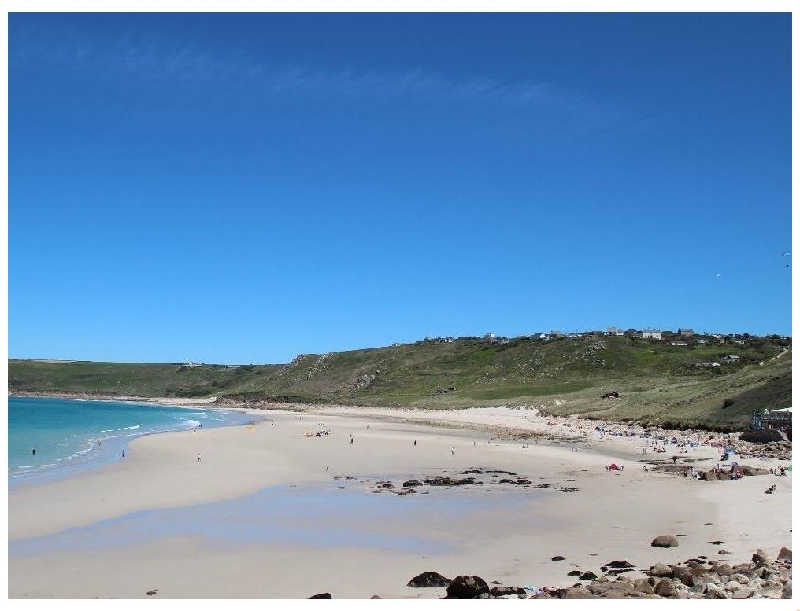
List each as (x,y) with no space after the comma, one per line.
(497,476)
(780,450)
(706,475)
(695,578)
(319,365)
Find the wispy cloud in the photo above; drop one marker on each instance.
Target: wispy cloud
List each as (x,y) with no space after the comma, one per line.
(145,59)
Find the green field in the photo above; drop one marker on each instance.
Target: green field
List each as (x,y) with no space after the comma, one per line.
(657,382)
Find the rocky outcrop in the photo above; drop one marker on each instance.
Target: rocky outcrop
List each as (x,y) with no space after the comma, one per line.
(467,586)
(695,578)
(429,579)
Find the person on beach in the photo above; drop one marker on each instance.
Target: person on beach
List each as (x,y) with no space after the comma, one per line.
(199,458)
(452,451)
(123,453)
(351,441)
(415,443)
(33,451)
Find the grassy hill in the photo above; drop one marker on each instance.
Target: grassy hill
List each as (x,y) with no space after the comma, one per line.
(657,382)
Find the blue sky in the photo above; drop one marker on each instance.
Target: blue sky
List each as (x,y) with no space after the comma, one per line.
(241,188)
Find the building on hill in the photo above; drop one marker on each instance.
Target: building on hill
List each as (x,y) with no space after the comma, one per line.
(651,334)
(685,332)
(764,419)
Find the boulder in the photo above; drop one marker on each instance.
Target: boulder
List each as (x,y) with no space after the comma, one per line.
(429,579)
(325,595)
(723,569)
(742,594)
(467,586)
(785,555)
(611,589)
(760,557)
(665,588)
(713,591)
(559,558)
(787,589)
(661,570)
(588,576)
(643,586)
(411,483)
(576,592)
(664,541)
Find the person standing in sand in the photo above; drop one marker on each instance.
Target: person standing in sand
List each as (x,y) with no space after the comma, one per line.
(199,458)
(452,451)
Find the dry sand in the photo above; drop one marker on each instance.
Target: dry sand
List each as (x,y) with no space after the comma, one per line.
(83,536)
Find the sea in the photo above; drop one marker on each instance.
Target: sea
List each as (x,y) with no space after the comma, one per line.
(76,434)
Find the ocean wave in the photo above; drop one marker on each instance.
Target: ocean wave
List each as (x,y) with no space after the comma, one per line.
(130,428)
(191,423)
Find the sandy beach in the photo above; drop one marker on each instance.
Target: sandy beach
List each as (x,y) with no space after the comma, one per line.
(276,510)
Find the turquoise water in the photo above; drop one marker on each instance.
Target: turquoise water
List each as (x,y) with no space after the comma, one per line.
(68,434)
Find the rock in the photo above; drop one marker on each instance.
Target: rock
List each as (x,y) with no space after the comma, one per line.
(620,564)
(724,552)
(741,578)
(374,596)
(574,574)
(753,470)
(325,595)
(611,589)
(742,594)
(428,579)
(760,557)
(506,591)
(787,589)
(411,483)
(664,541)
(785,555)
(152,592)
(665,588)
(575,592)
(661,570)
(559,558)
(643,586)
(715,592)
(723,569)
(588,576)
(684,575)
(467,586)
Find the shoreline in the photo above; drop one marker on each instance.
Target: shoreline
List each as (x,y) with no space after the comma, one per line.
(611,514)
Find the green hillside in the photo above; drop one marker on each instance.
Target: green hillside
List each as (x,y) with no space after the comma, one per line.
(657,382)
